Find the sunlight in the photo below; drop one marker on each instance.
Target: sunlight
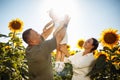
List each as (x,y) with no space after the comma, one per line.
(61,7)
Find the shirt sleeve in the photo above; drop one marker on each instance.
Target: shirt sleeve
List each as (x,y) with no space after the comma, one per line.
(49,45)
(70,59)
(41,38)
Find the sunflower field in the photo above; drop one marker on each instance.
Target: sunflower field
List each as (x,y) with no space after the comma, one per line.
(107,65)
(13,63)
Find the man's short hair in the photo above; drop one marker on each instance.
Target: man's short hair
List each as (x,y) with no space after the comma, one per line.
(26,35)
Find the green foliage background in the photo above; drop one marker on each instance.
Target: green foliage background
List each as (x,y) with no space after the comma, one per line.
(107,67)
(13,64)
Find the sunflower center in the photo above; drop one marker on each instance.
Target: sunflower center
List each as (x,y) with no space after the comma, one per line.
(16,25)
(68,46)
(80,43)
(110,38)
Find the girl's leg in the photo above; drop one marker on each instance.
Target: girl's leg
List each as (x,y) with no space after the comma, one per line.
(58,54)
(59,64)
(62,57)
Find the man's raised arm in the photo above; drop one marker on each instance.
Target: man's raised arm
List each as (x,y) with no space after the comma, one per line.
(47,30)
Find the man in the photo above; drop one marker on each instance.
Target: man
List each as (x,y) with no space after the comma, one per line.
(39,49)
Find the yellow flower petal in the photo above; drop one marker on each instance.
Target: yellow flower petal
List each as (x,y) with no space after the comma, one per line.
(80,43)
(16,25)
(109,38)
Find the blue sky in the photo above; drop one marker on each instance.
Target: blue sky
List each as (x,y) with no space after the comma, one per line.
(88,17)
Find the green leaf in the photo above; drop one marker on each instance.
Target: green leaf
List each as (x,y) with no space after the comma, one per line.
(2,35)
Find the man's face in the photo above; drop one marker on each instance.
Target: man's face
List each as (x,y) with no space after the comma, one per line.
(88,44)
(34,37)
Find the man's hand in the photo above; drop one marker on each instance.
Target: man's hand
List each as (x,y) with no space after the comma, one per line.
(47,26)
(47,30)
(64,49)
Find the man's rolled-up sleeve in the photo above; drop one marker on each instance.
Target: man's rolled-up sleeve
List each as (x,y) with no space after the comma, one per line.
(49,45)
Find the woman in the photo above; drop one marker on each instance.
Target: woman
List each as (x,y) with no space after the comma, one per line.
(82,61)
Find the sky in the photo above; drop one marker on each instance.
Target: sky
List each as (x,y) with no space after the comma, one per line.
(88,17)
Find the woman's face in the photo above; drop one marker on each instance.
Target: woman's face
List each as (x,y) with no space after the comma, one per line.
(88,44)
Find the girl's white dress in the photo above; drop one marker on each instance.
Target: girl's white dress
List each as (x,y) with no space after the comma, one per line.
(58,26)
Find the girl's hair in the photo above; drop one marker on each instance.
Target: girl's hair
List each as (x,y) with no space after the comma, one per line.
(95,44)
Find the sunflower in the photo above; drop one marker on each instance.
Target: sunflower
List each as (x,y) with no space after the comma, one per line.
(53,53)
(68,47)
(119,49)
(7,47)
(109,38)
(15,25)
(113,57)
(96,54)
(80,43)
(106,54)
(72,52)
(117,52)
(117,65)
